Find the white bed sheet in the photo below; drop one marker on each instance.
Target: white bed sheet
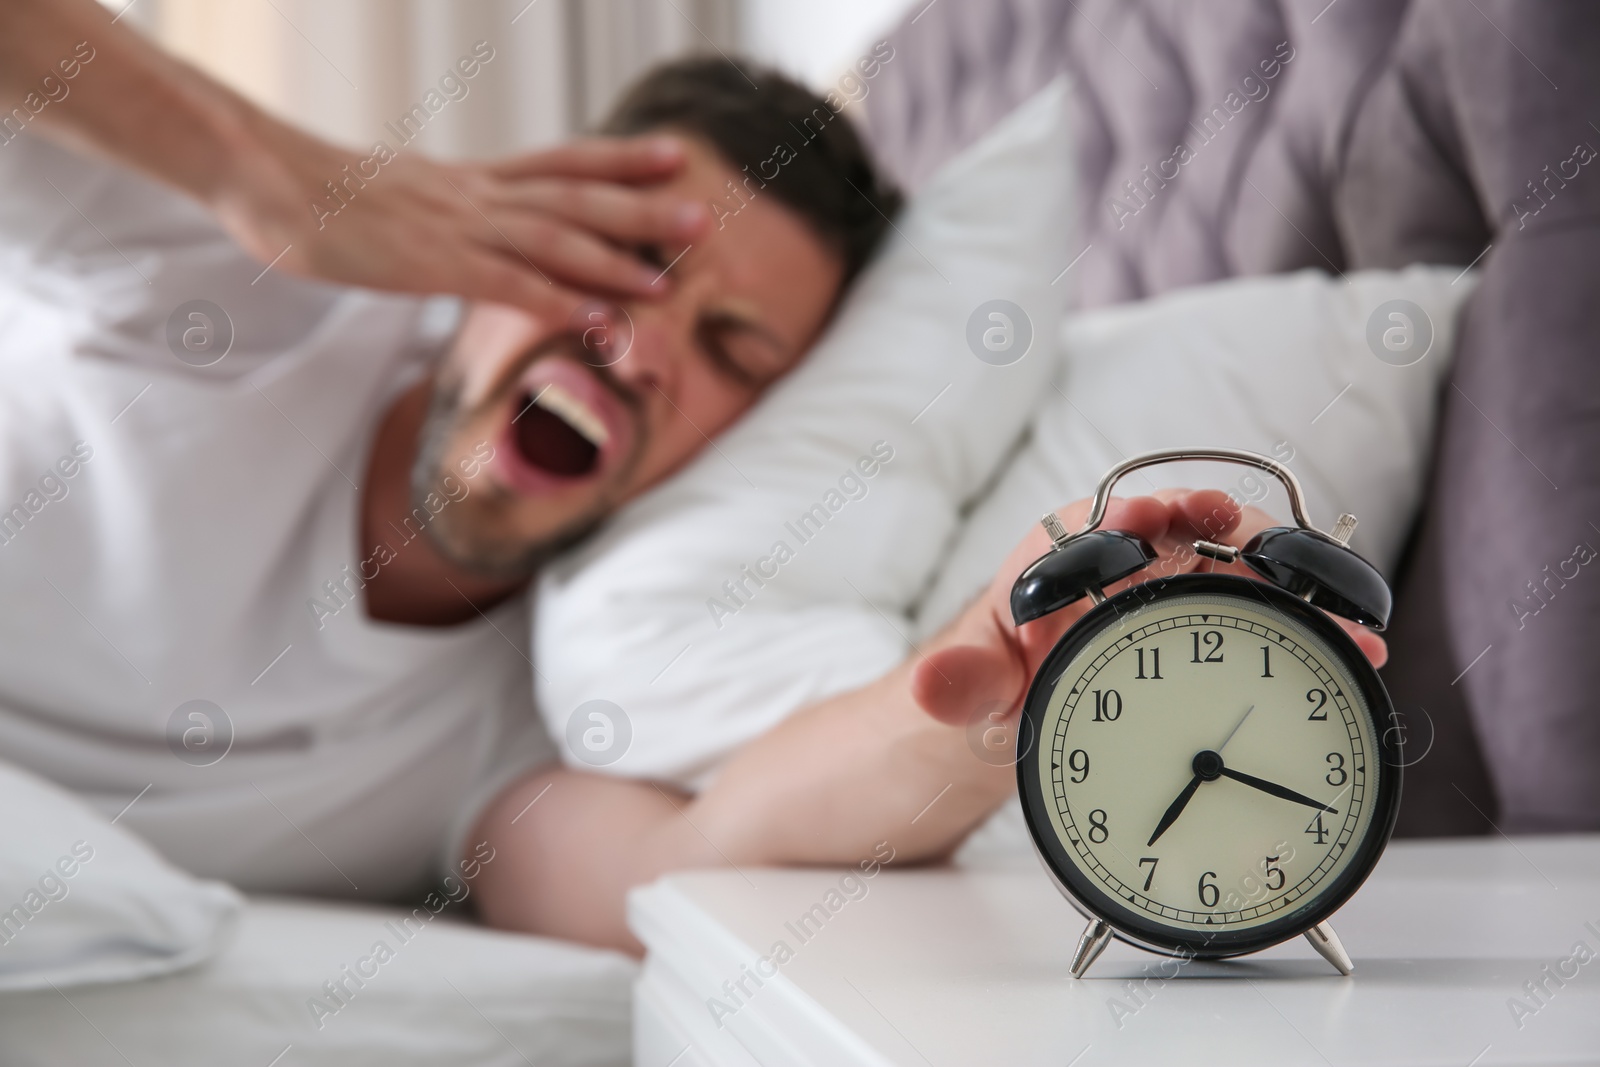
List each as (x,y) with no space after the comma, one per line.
(453,994)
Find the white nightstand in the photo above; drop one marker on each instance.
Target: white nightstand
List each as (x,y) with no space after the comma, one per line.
(966,968)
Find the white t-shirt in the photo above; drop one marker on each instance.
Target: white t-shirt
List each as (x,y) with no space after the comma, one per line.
(165,528)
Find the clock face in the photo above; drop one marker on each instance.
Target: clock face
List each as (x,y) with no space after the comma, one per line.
(1210,771)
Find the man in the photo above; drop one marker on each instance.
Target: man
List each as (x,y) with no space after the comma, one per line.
(292,563)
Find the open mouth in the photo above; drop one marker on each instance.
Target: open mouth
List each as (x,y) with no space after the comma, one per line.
(566,430)
(558,434)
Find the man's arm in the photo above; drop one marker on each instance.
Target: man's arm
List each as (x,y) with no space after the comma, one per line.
(526,231)
(888,762)
(824,787)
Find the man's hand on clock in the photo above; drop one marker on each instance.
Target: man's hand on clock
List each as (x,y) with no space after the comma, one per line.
(984,657)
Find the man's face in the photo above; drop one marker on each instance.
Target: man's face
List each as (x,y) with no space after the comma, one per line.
(582,416)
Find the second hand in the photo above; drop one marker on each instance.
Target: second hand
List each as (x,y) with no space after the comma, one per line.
(1235,729)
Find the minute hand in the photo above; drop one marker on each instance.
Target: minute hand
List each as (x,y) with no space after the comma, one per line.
(1276,790)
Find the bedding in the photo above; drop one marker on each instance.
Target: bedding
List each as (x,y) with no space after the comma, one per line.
(447,994)
(82,901)
(1285,365)
(778,568)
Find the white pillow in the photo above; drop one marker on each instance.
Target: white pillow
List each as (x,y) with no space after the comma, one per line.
(83,901)
(889,428)
(1281,365)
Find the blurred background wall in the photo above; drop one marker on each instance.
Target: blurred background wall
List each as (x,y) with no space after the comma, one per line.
(345,68)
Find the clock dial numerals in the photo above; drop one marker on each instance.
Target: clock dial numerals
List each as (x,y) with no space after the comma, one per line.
(1107,705)
(1155,664)
(1098,833)
(1247,742)
(1337,776)
(1153,861)
(1212,639)
(1268,865)
(1320,699)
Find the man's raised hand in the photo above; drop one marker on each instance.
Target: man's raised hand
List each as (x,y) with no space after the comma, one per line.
(537,231)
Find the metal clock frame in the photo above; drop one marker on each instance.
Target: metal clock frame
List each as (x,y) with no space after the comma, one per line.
(1110,918)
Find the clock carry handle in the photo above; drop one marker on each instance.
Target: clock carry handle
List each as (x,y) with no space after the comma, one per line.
(1102,492)
(1316,566)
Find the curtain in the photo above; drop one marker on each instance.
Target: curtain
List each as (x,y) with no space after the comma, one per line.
(358,71)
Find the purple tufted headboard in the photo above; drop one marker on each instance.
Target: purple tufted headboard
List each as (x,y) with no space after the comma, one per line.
(1343,135)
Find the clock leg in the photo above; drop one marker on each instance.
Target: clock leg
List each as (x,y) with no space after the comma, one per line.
(1096,936)
(1326,942)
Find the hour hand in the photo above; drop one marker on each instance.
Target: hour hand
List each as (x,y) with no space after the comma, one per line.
(1176,808)
(1282,792)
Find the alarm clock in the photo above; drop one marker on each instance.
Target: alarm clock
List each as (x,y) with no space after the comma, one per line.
(1210,769)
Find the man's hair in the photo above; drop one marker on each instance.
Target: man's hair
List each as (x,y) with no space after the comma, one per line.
(750,114)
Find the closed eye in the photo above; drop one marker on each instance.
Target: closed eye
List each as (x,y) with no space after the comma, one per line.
(710,335)
(741,351)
